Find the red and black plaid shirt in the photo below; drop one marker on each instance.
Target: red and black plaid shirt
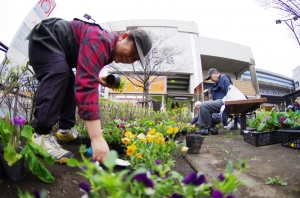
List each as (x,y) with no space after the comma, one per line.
(95,48)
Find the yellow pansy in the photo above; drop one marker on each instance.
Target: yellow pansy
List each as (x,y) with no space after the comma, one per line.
(160,140)
(151,131)
(158,134)
(139,155)
(142,137)
(125,140)
(175,129)
(128,133)
(131,136)
(130,149)
(150,138)
(170,130)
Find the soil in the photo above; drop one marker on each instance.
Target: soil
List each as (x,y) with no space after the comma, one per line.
(66,179)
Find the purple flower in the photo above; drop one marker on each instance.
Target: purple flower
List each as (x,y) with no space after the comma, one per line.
(217,194)
(175,195)
(282,119)
(94,160)
(142,177)
(192,178)
(19,121)
(85,187)
(37,194)
(130,126)
(230,196)
(268,118)
(221,177)
(158,162)
(263,121)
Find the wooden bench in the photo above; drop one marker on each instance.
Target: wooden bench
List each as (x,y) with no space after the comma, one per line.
(243,107)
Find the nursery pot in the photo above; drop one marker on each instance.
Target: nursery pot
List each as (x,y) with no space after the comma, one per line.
(194,143)
(113,79)
(14,173)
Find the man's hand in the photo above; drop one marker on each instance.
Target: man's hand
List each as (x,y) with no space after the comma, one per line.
(100,149)
(98,143)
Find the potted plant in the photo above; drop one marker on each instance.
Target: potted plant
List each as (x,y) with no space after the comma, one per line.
(11,132)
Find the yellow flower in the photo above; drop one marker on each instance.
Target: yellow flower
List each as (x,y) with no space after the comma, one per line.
(131,136)
(158,134)
(130,149)
(142,137)
(175,129)
(170,130)
(184,149)
(128,133)
(151,131)
(150,138)
(125,140)
(139,155)
(160,140)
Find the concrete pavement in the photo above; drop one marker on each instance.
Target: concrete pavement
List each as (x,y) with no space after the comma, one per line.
(265,162)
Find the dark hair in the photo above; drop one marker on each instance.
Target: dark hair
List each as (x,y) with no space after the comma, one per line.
(130,36)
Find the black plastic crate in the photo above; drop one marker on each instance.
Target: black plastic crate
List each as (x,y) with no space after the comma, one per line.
(261,138)
(290,138)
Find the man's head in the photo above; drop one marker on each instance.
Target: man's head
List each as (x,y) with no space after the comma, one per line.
(132,46)
(197,105)
(212,75)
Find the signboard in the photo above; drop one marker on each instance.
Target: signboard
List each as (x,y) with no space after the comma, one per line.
(159,86)
(18,50)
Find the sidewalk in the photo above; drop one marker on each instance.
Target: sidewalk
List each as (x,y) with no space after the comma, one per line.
(265,162)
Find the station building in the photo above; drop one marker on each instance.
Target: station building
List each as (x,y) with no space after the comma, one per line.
(201,54)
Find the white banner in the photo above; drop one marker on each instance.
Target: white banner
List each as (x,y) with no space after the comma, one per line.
(18,50)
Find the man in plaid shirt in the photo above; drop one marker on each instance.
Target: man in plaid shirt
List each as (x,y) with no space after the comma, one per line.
(56,47)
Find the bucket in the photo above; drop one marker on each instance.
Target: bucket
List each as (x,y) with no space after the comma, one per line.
(194,143)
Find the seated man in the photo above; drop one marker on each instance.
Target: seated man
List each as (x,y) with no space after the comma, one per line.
(215,119)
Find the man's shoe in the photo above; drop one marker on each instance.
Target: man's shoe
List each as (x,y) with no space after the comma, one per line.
(202,131)
(213,131)
(49,143)
(71,136)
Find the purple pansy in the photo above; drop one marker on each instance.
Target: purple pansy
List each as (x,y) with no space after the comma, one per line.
(36,194)
(192,178)
(230,196)
(175,195)
(217,194)
(85,187)
(142,177)
(221,177)
(130,126)
(158,162)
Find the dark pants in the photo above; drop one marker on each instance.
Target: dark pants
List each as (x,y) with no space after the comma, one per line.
(55,97)
(225,118)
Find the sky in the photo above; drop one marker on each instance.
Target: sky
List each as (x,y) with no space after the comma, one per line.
(239,21)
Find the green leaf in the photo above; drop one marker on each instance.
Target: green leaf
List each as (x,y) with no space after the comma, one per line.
(27,132)
(110,160)
(229,167)
(49,159)
(37,167)
(283,183)
(10,155)
(73,162)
